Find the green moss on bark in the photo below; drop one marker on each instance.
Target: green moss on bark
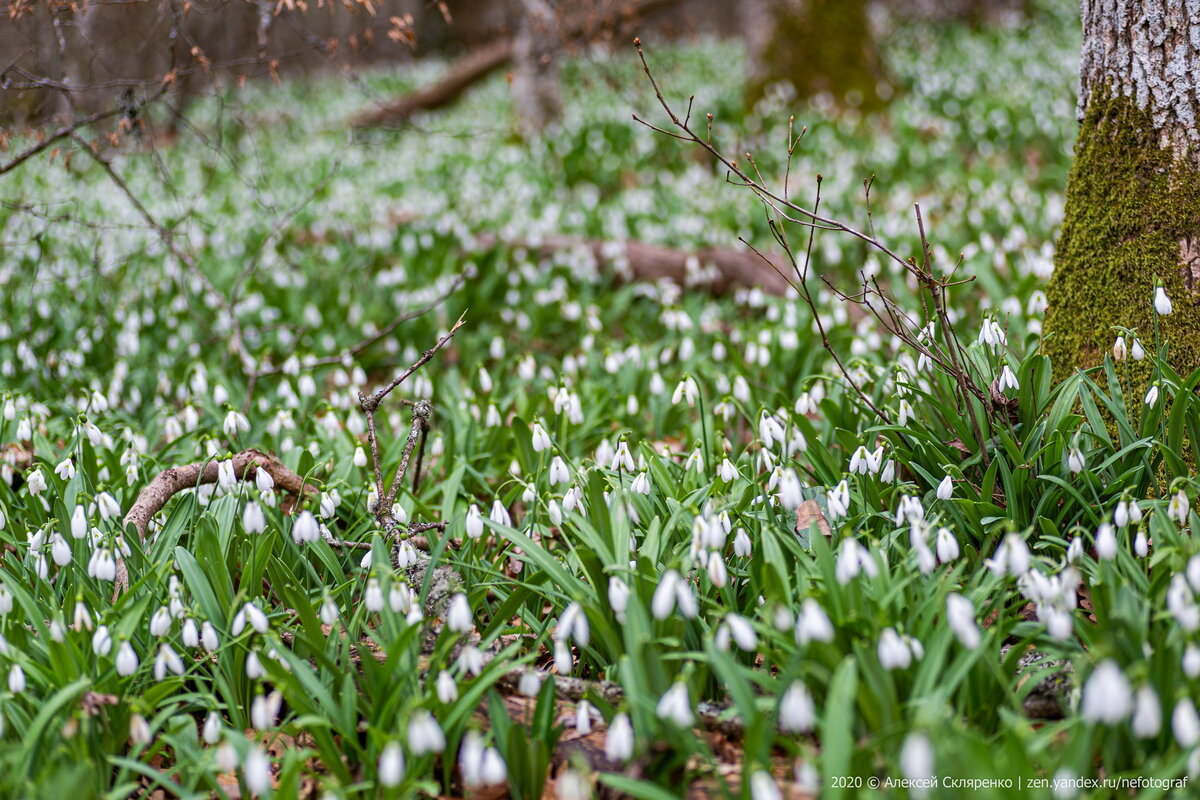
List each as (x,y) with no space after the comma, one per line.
(1130,203)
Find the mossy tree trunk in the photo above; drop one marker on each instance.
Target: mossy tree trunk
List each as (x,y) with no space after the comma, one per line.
(1132,218)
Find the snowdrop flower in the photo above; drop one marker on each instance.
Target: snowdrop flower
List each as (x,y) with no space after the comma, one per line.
(797,712)
(139,730)
(726,471)
(541,439)
(790,493)
(1152,396)
(160,623)
(499,514)
(859,462)
(235,423)
(226,478)
(1141,545)
(470,660)
(1011,558)
(1119,350)
(60,550)
(1107,696)
(583,718)
(1008,380)
(1075,550)
(306,529)
(837,502)
(763,787)
(742,546)
(687,390)
(947,546)
(641,484)
(622,457)
(108,506)
(769,430)
(360,457)
(852,559)
(1147,713)
(167,660)
(675,705)
(257,770)
(263,480)
(1106,542)
(459,617)
(101,565)
(673,590)
(127,660)
(742,632)
(1138,352)
(212,728)
(960,614)
(36,482)
(102,641)
(991,334)
(893,651)
(264,710)
(16,679)
(1178,507)
(559,473)
(1162,303)
(1185,723)
(554,512)
(447,687)
(474,522)
(916,762)
(424,734)
(65,469)
(618,746)
(253,519)
(618,597)
(573,624)
(813,625)
(945,489)
(79,524)
(208,636)
(1075,461)
(329,611)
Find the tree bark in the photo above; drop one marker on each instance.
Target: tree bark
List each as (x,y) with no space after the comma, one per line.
(1132,217)
(537,97)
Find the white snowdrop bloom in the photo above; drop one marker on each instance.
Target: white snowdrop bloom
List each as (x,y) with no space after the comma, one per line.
(16,679)
(1075,550)
(255,616)
(470,660)
(687,391)
(813,624)
(212,728)
(743,632)
(226,757)
(81,619)
(675,705)
(235,423)
(1075,461)
(1008,380)
(947,546)
(253,518)
(763,787)
(797,712)
(769,430)
(1147,713)
(663,602)
(1162,303)
(541,439)
(485,380)
(447,687)
(306,528)
(893,650)
(102,641)
(474,523)
(36,482)
(263,480)
(559,472)
(102,566)
(837,501)
(618,597)
(1182,604)
(641,484)
(564,660)
(257,770)
(742,546)
(718,572)
(960,614)
(1178,507)
(859,462)
(60,550)
(208,636)
(329,611)
(226,477)
(1191,661)
(372,596)
(360,457)
(554,512)
(1011,558)
(139,730)
(328,505)
(1106,542)
(1119,350)
(1151,396)
(571,500)
(618,745)
(852,559)
(1121,514)
(459,617)
(530,683)
(166,661)
(424,734)
(127,660)
(945,489)
(264,710)
(79,526)
(1059,623)
(726,471)
(1141,545)
(1185,723)
(622,457)
(160,623)
(916,762)
(1107,696)
(1137,351)
(499,514)
(254,666)
(65,469)
(108,506)
(583,718)
(632,407)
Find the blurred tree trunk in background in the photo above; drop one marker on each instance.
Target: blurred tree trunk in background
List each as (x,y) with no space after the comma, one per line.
(537,97)
(818,47)
(1132,216)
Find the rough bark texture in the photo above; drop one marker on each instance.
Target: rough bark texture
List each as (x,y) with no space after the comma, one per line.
(537,97)
(1133,199)
(171,481)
